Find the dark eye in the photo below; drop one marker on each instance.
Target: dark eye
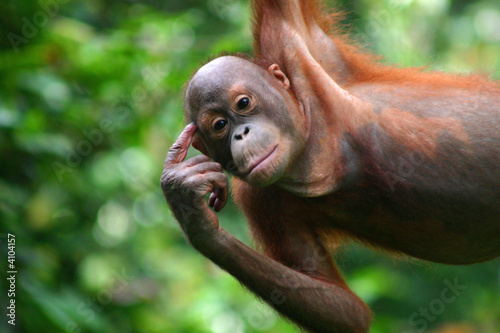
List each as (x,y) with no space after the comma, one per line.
(243,103)
(220,124)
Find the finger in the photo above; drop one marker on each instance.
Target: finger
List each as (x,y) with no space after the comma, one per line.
(205,167)
(213,197)
(221,200)
(178,151)
(218,197)
(195,160)
(212,181)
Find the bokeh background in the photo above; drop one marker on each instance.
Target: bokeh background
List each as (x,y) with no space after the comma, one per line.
(90,102)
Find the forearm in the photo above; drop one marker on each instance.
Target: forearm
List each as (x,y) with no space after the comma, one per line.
(330,307)
(296,23)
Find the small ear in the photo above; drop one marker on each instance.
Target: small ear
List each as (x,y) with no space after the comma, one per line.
(275,71)
(198,144)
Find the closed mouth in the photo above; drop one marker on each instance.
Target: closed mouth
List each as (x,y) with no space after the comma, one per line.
(254,165)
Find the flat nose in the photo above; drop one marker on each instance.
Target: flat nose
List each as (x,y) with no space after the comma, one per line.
(242,133)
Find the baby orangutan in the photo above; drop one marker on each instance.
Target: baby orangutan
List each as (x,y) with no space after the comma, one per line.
(324,142)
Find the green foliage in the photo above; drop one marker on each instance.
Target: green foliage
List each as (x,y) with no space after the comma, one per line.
(90,102)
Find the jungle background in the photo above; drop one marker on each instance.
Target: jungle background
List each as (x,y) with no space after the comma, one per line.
(90,102)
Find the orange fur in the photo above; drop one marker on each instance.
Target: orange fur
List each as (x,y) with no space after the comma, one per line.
(420,134)
(354,173)
(365,66)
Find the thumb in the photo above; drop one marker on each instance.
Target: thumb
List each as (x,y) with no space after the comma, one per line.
(177,153)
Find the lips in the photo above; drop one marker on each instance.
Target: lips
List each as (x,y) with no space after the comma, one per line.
(261,160)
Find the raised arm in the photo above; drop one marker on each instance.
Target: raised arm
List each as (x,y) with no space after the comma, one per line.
(291,34)
(313,294)
(284,30)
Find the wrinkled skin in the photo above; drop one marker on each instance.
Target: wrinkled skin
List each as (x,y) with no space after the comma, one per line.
(275,132)
(325,142)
